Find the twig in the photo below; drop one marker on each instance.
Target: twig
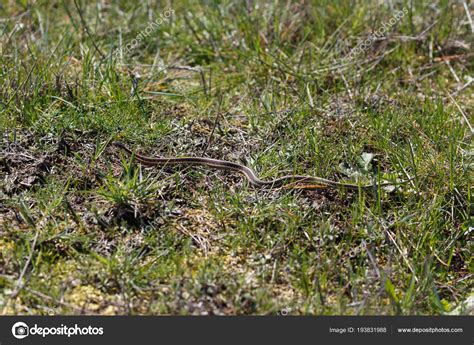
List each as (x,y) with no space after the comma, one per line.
(469,82)
(218,116)
(462,113)
(64,304)
(19,284)
(468,14)
(390,236)
(349,92)
(372,260)
(84,24)
(22,84)
(203,79)
(446,61)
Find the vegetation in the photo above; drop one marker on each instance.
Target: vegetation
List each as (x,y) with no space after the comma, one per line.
(274,85)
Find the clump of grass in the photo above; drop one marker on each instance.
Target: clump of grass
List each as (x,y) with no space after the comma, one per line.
(132,194)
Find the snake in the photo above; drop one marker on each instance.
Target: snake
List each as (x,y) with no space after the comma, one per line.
(288,181)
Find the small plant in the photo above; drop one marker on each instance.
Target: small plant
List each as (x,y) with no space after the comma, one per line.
(132,193)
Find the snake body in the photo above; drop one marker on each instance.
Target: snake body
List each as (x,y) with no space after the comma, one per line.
(292,181)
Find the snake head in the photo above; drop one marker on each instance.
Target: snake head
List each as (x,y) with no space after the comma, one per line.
(122,146)
(119,144)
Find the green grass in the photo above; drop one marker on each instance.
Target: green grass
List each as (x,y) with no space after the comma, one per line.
(85,229)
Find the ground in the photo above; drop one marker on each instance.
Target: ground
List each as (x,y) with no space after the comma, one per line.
(314,88)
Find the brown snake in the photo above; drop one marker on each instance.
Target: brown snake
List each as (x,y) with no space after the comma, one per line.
(291,181)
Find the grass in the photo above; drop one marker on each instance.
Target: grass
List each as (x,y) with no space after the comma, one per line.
(86,230)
